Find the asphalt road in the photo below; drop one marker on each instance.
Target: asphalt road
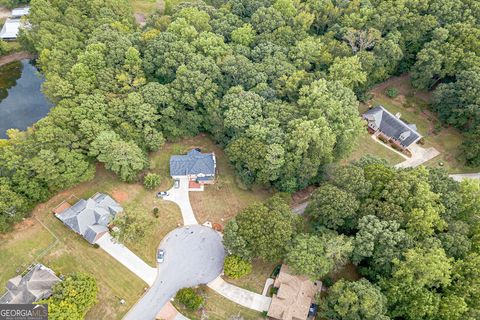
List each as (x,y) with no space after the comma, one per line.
(193,255)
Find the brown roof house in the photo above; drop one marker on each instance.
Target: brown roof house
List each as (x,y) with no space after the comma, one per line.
(294,296)
(35,285)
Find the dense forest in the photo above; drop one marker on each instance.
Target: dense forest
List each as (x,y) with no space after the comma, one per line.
(414,235)
(276,83)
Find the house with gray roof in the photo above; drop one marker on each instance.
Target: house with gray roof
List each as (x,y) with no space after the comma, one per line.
(381,121)
(90,218)
(12,25)
(197,166)
(35,285)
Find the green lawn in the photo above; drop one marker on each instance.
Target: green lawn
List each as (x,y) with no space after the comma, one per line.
(366,145)
(255,281)
(218,308)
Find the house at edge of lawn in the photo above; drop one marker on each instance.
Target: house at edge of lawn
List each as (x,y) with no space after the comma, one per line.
(35,285)
(198,167)
(90,218)
(381,122)
(12,25)
(294,298)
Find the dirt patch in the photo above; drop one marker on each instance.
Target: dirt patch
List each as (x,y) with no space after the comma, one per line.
(140,19)
(120,196)
(302,195)
(5,13)
(15,57)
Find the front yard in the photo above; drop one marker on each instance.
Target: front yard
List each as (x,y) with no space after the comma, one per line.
(218,308)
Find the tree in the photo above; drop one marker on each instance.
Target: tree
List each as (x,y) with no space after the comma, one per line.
(412,292)
(72,297)
(351,179)
(261,230)
(131,227)
(190,299)
(235,267)
(152,180)
(333,208)
(348,71)
(315,256)
(377,244)
(124,158)
(355,300)
(244,35)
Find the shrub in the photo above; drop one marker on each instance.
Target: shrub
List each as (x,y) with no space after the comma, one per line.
(327,282)
(151,181)
(190,299)
(392,92)
(155,212)
(236,267)
(96,245)
(383,138)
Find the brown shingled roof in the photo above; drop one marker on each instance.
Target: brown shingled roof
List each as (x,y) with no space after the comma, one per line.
(294,296)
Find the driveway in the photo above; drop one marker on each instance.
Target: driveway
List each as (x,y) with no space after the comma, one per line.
(129,259)
(240,296)
(419,156)
(193,255)
(181,198)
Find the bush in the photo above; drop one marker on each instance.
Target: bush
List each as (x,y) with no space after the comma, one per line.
(190,299)
(151,181)
(155,212)
(327,282)
(392,92)
(236,267)
(96,245)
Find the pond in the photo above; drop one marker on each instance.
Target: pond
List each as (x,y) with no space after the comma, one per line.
(22,103)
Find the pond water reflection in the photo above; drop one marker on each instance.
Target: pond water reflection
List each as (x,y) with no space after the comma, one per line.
(22,102)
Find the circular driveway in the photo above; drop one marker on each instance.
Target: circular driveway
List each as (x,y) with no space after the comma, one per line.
(193,255)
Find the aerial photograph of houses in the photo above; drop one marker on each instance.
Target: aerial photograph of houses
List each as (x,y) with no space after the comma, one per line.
(239,160)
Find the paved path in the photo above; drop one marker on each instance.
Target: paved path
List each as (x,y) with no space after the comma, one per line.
(193,255)
(129,259)
(240,296)
(181,198)
(463,176)
(267,285)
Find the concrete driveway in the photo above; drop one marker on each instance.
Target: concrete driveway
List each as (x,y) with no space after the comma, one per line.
(419,156)
(193,255)
(181,198)
(462,176)
(129,259)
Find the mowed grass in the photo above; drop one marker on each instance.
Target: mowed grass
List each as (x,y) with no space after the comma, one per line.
(366,145)
(255,281)
(144,6)
(218,308)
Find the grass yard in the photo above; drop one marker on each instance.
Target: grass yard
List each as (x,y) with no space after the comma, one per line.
(413,107)
(256,280)
(221,201)
(367,146)
(146,7)
(218,308)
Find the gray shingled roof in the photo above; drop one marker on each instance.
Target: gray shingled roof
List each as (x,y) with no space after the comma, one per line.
(193,163)
(35,285)
(381,119)
(90,217)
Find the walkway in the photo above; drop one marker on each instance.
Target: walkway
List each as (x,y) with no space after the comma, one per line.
(240,296)
(129,259)
(181,198)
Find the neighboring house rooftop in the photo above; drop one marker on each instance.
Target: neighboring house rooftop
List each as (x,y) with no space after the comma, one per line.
(381,119)
(20,12)
(294,297)
(193,163)
(34,286)
(91,217)
(10,29)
